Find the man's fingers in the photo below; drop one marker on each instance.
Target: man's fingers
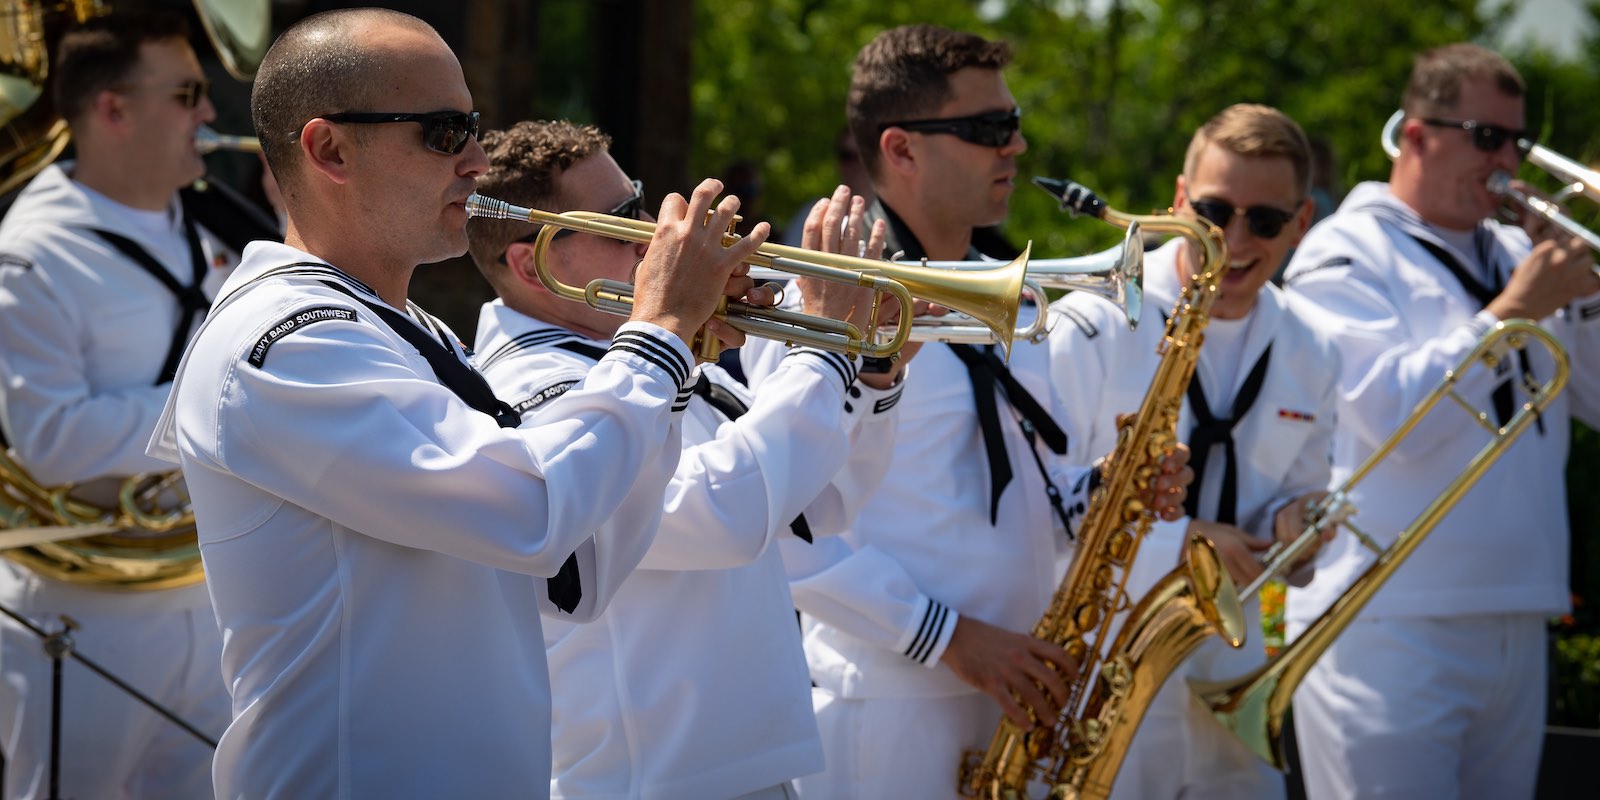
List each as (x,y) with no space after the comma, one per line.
(876,240)
(730,336)
(811,234)
(833,222)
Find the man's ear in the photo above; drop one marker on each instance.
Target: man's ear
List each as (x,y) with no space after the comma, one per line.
(325,149)
(109,110)
(895,151)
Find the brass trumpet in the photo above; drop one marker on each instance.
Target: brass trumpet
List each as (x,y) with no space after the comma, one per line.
(1116,274)
(1252,706)
(1579,180)
(991,296)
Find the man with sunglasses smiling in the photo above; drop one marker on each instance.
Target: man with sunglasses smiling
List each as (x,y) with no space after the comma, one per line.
(1258,419)
(380,532)
(916,618)
(1438,688)
(702,638)
(106,272)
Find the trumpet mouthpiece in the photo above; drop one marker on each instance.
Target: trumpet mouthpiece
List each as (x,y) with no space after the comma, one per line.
(1499,183)
(207,141)
(480,206)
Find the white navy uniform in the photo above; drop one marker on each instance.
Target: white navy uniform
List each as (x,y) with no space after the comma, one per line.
(692,684)
(376,548)
(1438,688)
(1282,444)
(882,600)
(83,334)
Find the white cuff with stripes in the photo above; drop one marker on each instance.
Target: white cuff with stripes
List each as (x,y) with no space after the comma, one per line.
(924,643)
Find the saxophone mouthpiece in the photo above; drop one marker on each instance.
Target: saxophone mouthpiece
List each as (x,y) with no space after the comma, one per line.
(1075,198)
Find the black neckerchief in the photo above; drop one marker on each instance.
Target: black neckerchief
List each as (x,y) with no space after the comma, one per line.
(987,372)
(1503,398)
(1211,430)
(192,301)
(564,589)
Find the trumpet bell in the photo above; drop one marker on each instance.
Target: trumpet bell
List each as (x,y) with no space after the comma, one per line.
(991,296)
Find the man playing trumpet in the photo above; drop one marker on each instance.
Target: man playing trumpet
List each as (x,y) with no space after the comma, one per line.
(379,531)
(1438,687)
(713,698)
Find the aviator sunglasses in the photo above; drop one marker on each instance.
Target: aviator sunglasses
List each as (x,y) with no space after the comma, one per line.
(187,93)
(444,132)
(1488,138)
(989,129)
(631,208)
(1265,222)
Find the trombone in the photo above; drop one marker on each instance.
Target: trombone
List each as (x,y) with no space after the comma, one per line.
(991,296)
(1252,706)
(1580,180)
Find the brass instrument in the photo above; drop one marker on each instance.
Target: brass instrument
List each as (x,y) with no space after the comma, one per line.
(1252,706)
(1116,274)
(991,296)
(958,328)
(1077,755)
(1579,180)
(145,538)
(145,541)
(208,141)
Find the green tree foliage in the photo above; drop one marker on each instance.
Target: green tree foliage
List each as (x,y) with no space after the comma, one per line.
(1110,88)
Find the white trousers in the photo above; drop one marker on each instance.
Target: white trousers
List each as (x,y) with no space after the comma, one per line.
(1442,708)
(883,748)
(163,643)
(1181,751)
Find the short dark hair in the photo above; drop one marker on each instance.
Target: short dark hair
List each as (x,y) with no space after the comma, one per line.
(904,73)
(524,164)
(98,55)
(1254,131)
(1436,75)
(318,66)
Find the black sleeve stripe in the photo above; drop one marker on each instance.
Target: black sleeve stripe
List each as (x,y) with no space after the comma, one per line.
(662,354)
(526,341)
(928,633)
(671,367)
(886,403)
(844,366)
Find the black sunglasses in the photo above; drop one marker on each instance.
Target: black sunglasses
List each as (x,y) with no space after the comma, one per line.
(1265,222)
(187,93)
(990,129)
(442,131)
(631,208)
(1488,138)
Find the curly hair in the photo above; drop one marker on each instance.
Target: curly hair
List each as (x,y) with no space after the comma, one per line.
(904,73)
(524,163)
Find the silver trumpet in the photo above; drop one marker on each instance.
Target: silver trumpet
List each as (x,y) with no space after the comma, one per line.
(1579,180)
(207,141)
(1116,274)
